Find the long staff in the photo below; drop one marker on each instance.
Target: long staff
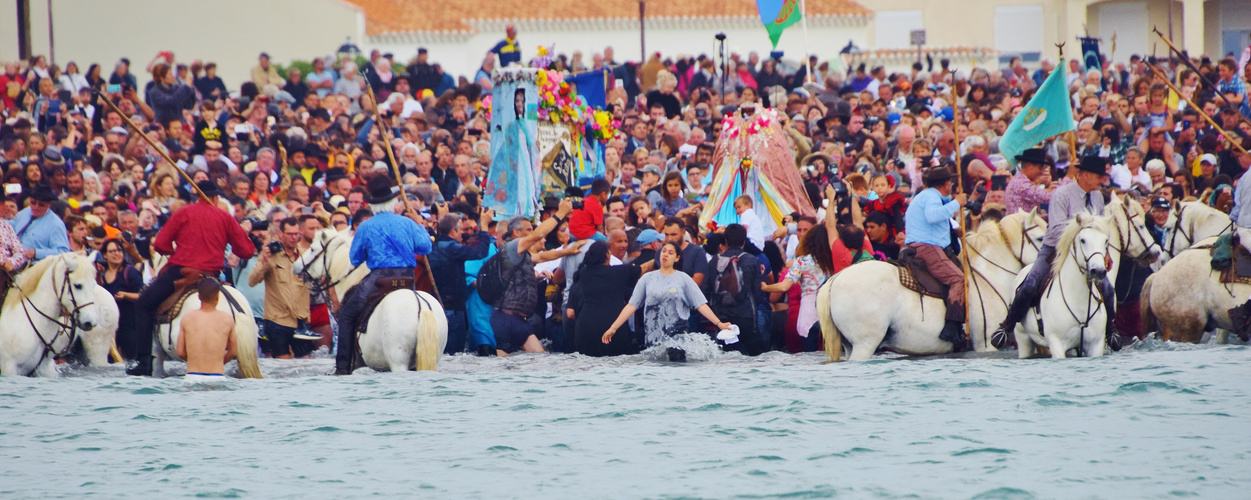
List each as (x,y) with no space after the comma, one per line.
(1199,110)
(154,145)
(964,249)
(1185,59)
(399,180)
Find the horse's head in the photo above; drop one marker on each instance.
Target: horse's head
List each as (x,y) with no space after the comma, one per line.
(1089,245)
(312,263)
(75,282)
(1129,220)
(1024,232)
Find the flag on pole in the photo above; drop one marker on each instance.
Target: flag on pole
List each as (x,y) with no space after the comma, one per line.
(1047,114)
(1091,58)
(778,15)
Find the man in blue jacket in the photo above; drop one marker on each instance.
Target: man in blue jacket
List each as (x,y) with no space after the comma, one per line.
(388,243)
(452,248)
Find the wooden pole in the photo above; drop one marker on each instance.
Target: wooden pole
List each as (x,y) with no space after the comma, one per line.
(1185,59)
(1199,110)
(154,145)
(964,249)
(399,181)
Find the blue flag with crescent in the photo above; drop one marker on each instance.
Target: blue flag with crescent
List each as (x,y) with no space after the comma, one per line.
(1047,114)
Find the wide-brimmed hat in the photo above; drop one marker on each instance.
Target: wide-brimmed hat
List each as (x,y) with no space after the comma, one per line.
(1094,165)
(382,191)
(829,160)
(209,188)
(52,156)
(42,192)
(1035,155)
(938,175)
(335,173)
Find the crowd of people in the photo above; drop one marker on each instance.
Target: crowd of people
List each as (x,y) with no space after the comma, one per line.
(628,264)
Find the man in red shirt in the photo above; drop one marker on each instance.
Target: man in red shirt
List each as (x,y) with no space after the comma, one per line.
(195,237)
(588,223)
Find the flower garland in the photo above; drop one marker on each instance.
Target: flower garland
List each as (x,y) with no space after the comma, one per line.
(602,126)
(557,102)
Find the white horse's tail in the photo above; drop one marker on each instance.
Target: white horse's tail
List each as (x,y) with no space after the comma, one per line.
(246,338)
(1149,320)
(829,332)
(427,339)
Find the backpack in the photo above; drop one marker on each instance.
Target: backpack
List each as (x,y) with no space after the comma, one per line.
(493,279)
(728,285)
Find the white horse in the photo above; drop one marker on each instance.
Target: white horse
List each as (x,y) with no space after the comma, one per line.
(1128,235)
(391,340)
(48,300)
(997,253)
(1192,222)
(99,340)
(245,333)
(1071,305)
(866,304)
(1186,298)
(328,257)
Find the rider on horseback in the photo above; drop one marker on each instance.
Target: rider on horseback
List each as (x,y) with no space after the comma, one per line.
(388,243)
(196,236)
(1241,216)
(1066,202)
(927,229)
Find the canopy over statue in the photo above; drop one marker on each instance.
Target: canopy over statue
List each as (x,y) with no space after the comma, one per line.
(752,158)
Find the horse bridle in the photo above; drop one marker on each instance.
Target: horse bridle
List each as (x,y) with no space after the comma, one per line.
(1020,257)
(1126,238)
(325,283)
(1179,229)
(1090,296)
(66,328)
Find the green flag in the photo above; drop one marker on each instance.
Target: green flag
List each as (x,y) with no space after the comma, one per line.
(1047,114)
(778,15)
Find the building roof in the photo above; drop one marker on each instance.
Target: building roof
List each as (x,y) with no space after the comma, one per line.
(461,16)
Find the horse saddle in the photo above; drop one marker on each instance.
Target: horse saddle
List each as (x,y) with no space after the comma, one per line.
(382,287)
(184,287)
(1231,259)
(915,275)
(172,305)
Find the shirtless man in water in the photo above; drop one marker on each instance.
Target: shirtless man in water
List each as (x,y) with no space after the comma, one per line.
(207,333)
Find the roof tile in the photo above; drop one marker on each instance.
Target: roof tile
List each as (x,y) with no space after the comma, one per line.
(384,16)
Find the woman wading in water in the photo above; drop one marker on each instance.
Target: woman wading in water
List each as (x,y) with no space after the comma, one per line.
(666,297)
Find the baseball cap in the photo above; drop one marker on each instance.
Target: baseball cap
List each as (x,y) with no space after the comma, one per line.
(650,169)
(649,236)
(1160,202)
(1208,158)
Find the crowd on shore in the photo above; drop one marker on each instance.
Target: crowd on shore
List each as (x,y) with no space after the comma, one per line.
(631,263)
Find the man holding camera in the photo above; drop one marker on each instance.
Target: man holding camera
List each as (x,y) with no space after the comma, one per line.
(286,297)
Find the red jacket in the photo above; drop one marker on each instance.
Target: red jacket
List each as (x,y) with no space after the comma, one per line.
(201,232)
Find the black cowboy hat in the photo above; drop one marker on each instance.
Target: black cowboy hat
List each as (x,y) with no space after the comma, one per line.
(209,188)
(42,192)
(1035,155)
(1094,165)
(335,173)
(937,175)
(382,191)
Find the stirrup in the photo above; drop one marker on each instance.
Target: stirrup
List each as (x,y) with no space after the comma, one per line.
(1000,338)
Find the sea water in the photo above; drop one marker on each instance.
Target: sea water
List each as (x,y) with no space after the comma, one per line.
(1155,421)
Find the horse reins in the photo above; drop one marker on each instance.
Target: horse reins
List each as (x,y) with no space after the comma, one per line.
(65,328)
(1179,229)
(1020,257)
(1090,297)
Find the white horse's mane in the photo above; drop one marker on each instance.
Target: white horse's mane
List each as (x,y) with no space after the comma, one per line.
(1079,223)
(28,280)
